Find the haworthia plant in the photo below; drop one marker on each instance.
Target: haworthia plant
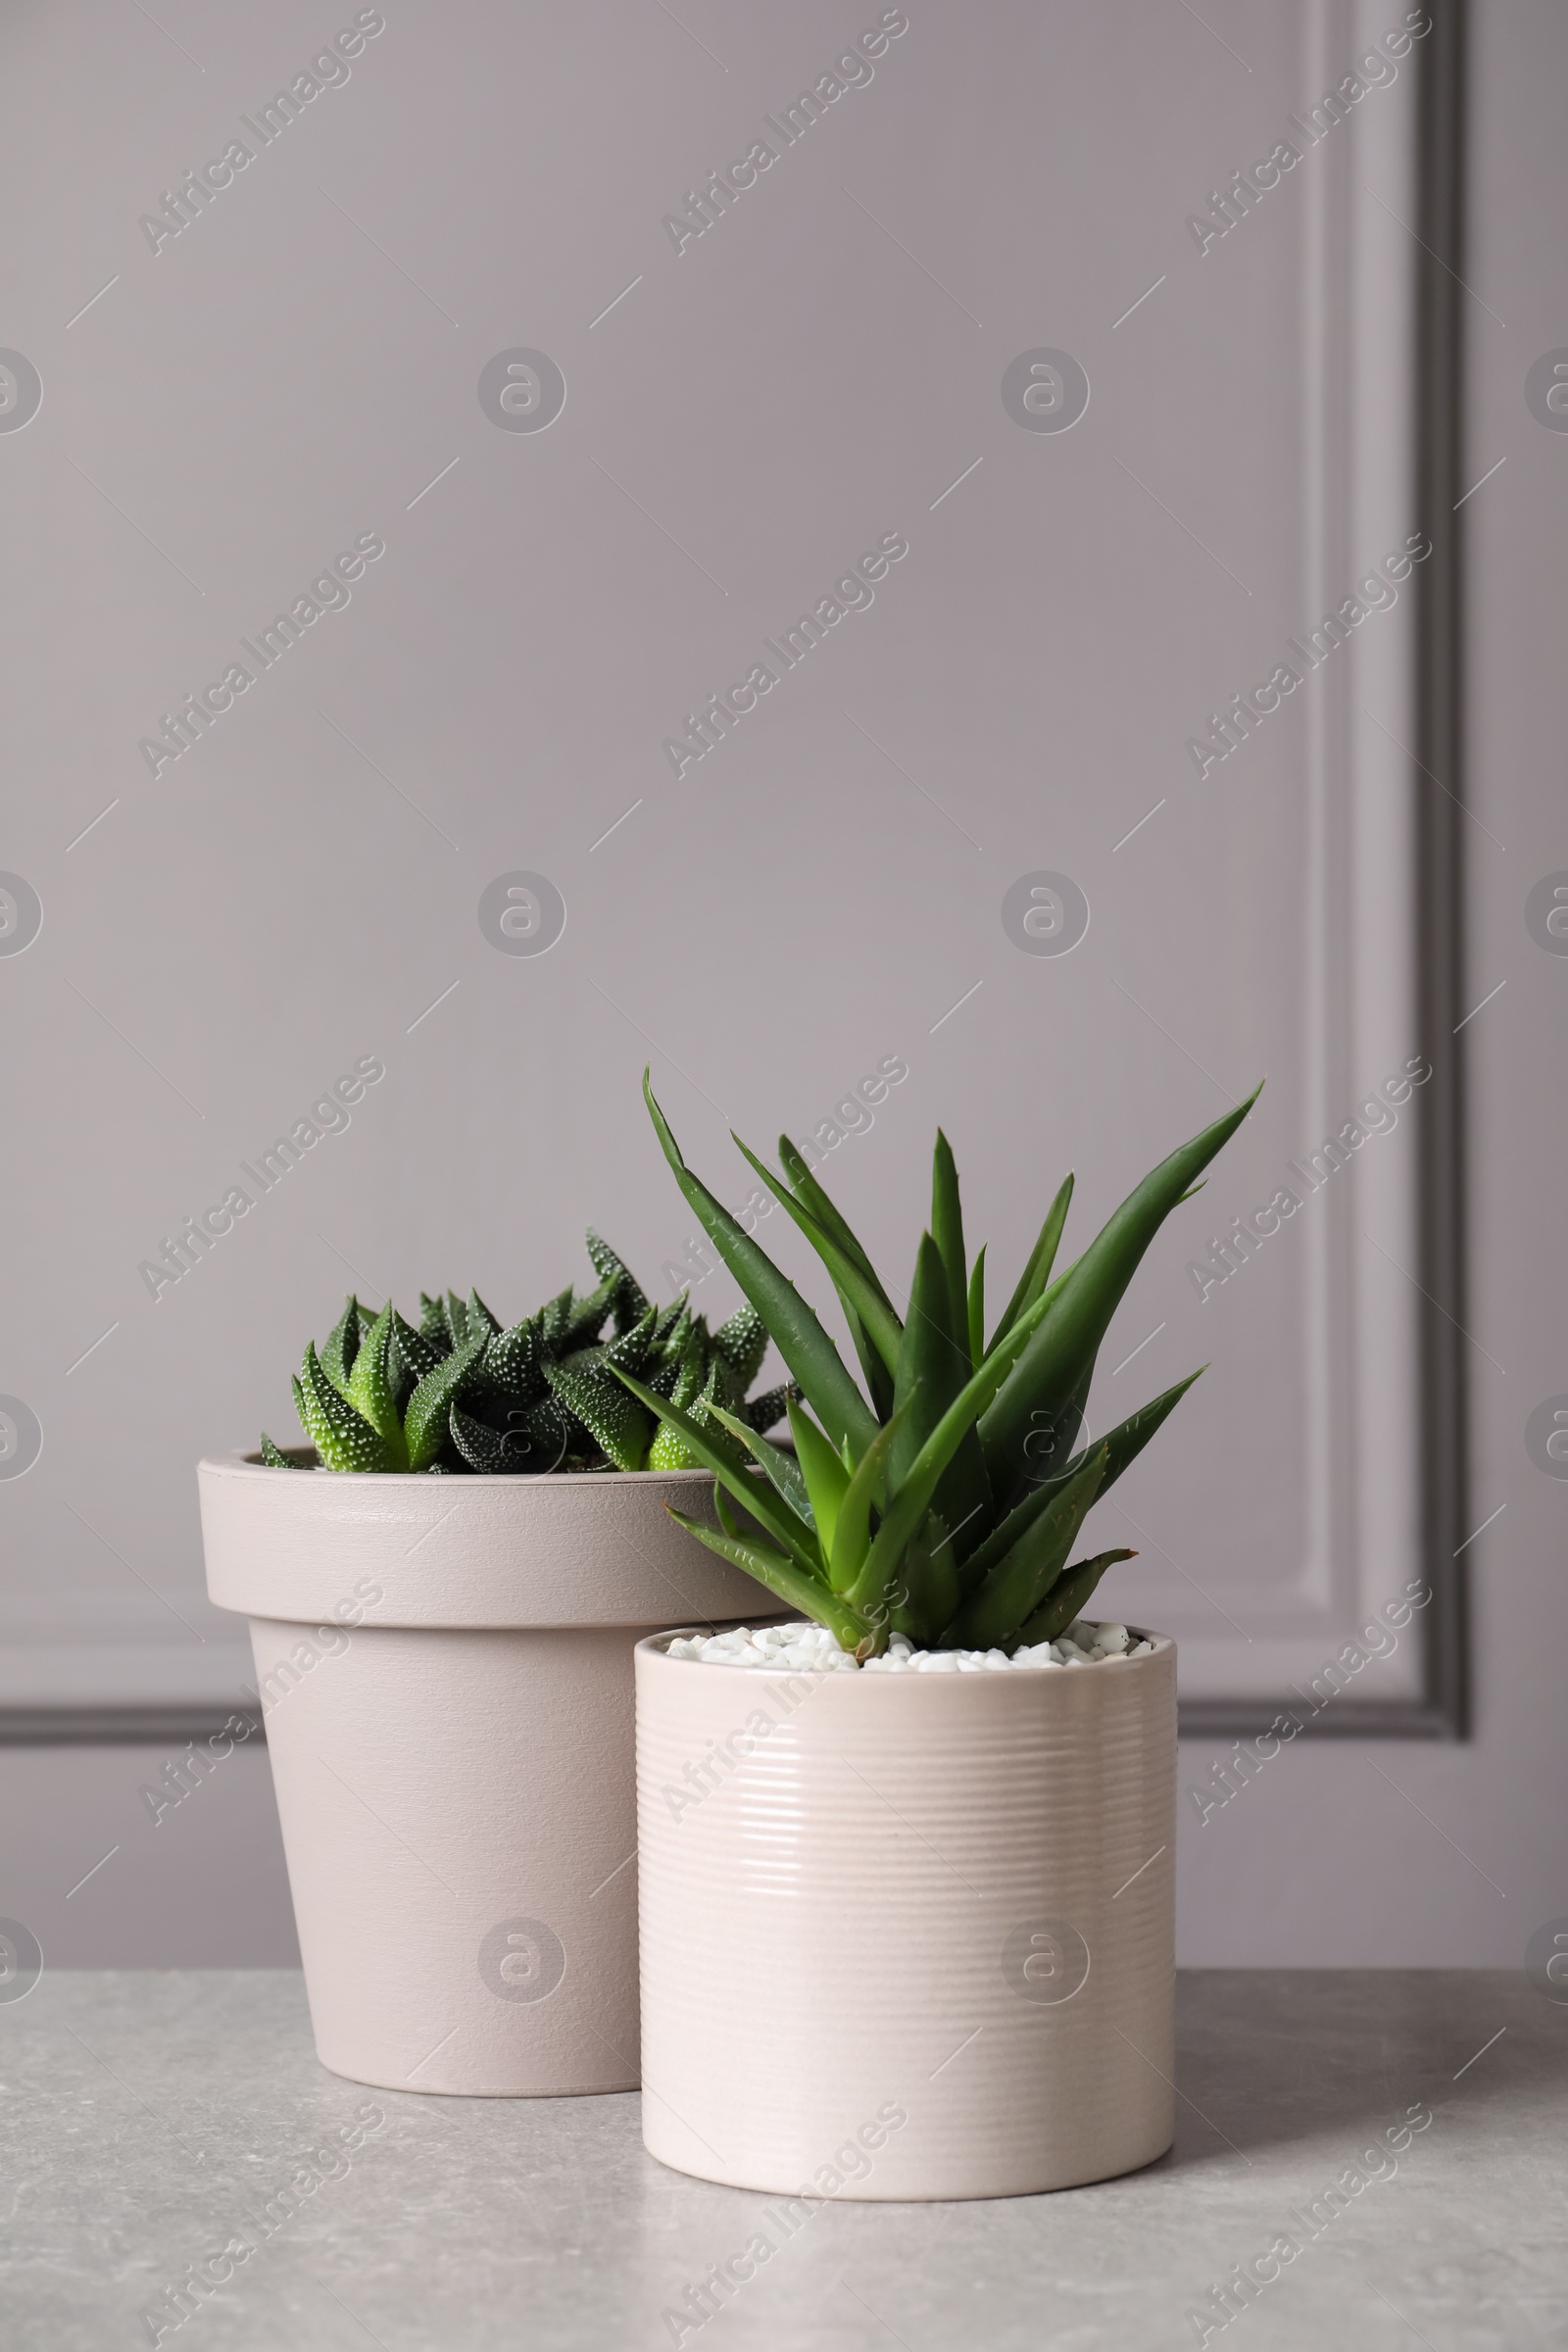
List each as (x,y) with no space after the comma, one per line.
(460,1393)
(943,1498)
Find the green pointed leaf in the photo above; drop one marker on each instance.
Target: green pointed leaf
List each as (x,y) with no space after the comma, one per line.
(434,1322)
(827,1481)
(601,1405)
(779,1572)
(343,1438)
(781,1469)
(864,1294)
(814,1197)
(1064,1345)
(1122,1446)
(766,1410)
(908,1506)
(877,1374)
(371,1384)
(274,1456)
(514,1361)
(426,1423)
(632,1347)
(458,1319)
(631,1302)
(1017,1584)
(587,1318)
(946,1231)
(717,1451)
(743,1343)
(1042,1257)
(798,1335)
(479,1316)
(976,1316)
(933,1366)
(488,1451)
(1068,1598)
(852,1531)
(415,1353)
(342,1347)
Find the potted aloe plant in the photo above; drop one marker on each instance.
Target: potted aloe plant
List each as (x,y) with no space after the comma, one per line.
(444,1591)
(916,1847)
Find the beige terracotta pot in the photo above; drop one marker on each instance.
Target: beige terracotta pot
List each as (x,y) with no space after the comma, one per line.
(445,1666)
(907,1936)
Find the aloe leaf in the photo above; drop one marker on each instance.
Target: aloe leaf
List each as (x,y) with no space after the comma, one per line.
(816,1197)
(779,1572)
(946,1231)
(372,1382)
(812,1196)
(781,1469)
(929,1580)
(827,1481)
(1122,1446)
(434,1322)
(343,1438)
(976,1310)
(864,1294)
(852,1531)
(1042,1257)
(602,1405)
(718,1453)
(424,1424)
(933,1366)
(797,1333)
(342,1347)
(1068,1598)
(1064,1345)
(1016,1586)
(274,1456)
(908,1506)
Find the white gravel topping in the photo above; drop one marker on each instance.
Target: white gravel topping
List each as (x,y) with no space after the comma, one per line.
(812,1648)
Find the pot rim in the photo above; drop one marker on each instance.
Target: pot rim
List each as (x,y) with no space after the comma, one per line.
(655,1645)
(241,1464)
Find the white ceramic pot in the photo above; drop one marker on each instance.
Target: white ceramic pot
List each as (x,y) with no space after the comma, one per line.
(907,1934)
(445,1667)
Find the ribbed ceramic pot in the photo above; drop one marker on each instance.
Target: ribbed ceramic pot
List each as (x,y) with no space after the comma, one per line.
(907,1934)
(445,1669)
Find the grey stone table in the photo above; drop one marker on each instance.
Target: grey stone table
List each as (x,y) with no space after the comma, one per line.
(151,2121)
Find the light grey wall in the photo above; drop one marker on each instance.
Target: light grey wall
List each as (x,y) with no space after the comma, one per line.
(234,409)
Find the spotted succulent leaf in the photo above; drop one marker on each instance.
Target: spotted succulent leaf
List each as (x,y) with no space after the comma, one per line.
(512,1361)
(342,1436)
(618,1422)
(743,1343)
(342,1347)
(426,1423)
(631,1299)
(373,1384)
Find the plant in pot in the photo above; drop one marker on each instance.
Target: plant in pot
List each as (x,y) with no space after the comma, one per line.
(934,1885)
(443,1643)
